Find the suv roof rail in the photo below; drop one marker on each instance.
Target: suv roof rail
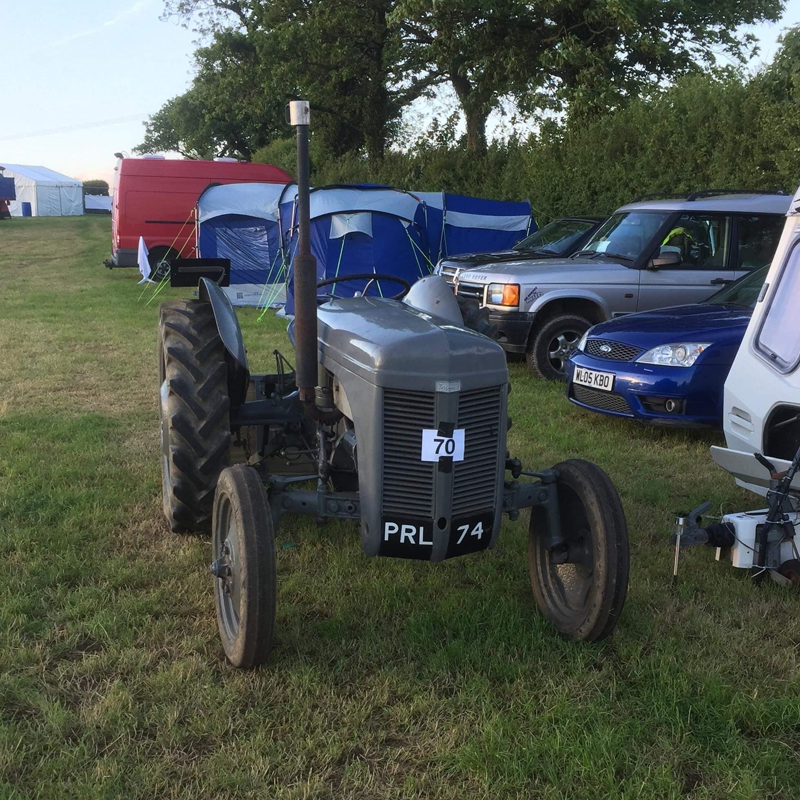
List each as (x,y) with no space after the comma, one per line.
(706,193)
(711,192)
(656,195)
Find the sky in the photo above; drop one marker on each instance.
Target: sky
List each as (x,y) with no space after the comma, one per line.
(79,77)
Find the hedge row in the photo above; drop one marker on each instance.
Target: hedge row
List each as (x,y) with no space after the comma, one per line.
(701,133)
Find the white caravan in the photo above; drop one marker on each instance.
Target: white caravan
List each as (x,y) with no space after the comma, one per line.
(762,416)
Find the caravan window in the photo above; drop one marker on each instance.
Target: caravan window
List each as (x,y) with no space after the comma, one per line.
(779,336)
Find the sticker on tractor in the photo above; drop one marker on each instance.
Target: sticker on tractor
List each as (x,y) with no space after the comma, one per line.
(436,445)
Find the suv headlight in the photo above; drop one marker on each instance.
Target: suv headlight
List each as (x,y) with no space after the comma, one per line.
(683,354)
(503,294)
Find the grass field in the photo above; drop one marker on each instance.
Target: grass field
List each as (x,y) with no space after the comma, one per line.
(389,679)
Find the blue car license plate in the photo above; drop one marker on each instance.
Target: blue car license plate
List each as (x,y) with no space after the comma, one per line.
(597,380)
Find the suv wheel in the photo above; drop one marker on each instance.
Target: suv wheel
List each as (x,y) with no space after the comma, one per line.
(553,343)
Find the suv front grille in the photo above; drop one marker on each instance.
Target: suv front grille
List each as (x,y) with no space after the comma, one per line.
(407,481)
(449,272)
(471,290)
(605,401)
(618,351)
(475,478)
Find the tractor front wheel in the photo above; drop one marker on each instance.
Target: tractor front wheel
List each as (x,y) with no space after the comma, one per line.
(243,541)
(581,588)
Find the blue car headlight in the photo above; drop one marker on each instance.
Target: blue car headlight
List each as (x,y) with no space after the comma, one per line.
(683,354)
(582,343)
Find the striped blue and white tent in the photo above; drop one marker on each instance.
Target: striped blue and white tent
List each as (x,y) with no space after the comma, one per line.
(459,224)
(239,221)
(359,230)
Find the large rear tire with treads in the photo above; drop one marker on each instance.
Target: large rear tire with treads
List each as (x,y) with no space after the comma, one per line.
(194,411)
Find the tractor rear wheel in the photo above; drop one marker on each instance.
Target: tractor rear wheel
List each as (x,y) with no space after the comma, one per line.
(583,595)
(243,541)
(194,411)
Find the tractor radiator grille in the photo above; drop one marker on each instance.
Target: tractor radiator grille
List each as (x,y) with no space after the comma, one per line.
(475,478)
(407,481)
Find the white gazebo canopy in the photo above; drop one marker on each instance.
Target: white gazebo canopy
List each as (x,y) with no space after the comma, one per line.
(50,193)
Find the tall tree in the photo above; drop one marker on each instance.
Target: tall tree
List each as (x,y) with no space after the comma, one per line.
(361,62)
(587,55)
(225,112)
(345,57)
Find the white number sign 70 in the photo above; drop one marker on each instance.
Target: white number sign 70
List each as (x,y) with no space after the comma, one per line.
(436,446)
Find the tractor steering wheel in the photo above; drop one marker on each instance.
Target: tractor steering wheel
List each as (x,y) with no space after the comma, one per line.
(370,277)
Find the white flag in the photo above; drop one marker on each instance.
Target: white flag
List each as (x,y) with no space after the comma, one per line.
(144,263)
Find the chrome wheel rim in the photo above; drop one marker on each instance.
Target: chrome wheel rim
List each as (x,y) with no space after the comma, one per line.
(561,347)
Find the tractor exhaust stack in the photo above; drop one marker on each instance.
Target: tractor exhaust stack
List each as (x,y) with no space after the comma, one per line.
(305,265)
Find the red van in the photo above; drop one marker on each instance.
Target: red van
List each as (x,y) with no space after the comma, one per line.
(154,197)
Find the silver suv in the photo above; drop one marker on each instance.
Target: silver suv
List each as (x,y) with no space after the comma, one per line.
(648,254)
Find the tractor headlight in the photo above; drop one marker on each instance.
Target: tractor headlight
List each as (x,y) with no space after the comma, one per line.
(683,354)
(503,294)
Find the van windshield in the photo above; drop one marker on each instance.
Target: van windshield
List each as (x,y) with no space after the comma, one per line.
(625,235)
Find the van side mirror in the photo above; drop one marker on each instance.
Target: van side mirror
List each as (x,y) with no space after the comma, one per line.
(665,259)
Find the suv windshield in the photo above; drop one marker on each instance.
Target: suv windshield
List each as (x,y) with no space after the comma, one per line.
(555,237)
(743,292)
(626,234)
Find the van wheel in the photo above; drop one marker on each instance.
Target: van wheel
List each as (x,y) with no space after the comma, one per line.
(160,260)
(553,343)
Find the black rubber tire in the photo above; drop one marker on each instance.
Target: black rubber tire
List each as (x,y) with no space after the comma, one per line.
(590,510)
(159,258)
(246,599)
(791,569)
(194,412)
(537,355)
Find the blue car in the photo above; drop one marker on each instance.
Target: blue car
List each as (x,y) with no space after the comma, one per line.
(666,367)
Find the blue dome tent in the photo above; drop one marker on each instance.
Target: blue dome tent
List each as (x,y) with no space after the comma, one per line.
(356,230)
(458,224)
(240,221)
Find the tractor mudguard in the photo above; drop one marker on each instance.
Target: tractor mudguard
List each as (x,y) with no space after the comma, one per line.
(231,335)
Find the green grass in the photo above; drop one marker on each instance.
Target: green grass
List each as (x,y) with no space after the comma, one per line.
(389,679)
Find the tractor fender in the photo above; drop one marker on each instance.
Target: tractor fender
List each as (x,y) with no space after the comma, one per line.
(232,340)
(566,295)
